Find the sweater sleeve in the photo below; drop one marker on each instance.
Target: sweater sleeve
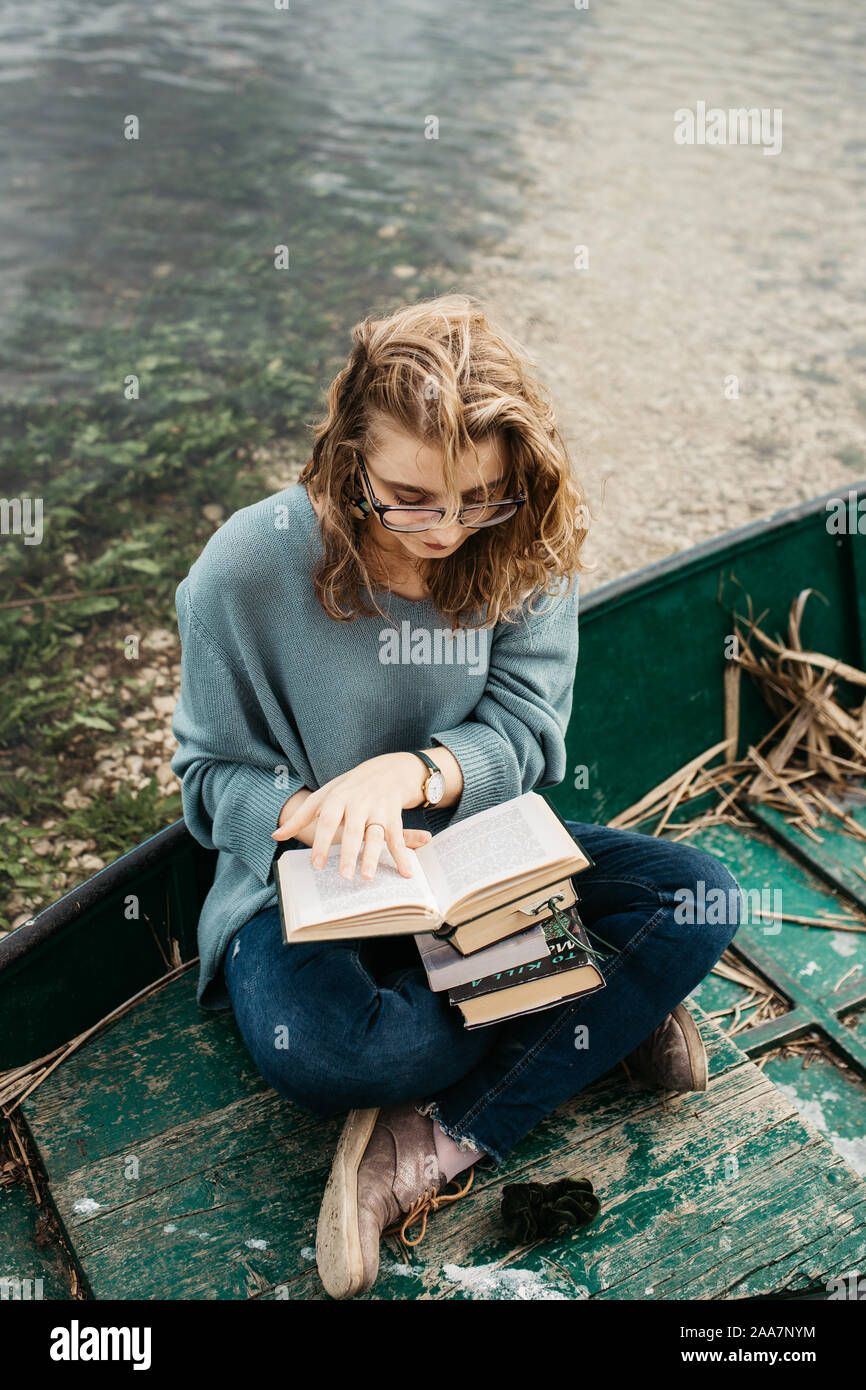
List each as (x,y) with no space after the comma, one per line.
(234,783)
(514,740)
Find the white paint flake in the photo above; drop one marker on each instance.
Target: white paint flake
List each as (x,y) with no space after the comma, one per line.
(810,968)
(86,1206)
(852,1150)
(256,1244)
(169,1229)
(811,1110)
(397,1267)
(843,943)
(492,1281)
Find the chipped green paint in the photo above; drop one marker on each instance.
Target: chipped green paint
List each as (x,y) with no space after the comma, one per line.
(712,1195)
(837,858)
(826,967)
(821,972)
(833,1100)
(24,1253)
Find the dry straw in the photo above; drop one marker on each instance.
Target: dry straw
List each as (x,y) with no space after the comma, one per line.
(809,767)
(810,764)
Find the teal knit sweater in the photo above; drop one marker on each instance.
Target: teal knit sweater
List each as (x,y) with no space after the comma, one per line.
(276,695)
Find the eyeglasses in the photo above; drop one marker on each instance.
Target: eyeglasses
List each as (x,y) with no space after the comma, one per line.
(411,518)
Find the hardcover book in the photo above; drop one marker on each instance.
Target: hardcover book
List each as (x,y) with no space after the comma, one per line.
(447,968)
(485,878)
(565,973)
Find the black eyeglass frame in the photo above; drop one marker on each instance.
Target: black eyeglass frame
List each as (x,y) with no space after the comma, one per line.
(381,507)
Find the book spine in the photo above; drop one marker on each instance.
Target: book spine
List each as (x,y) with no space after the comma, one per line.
(561,956)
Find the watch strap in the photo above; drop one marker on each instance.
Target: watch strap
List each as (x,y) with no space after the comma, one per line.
(431,768)
(428,762)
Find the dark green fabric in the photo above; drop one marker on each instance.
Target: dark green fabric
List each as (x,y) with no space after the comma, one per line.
(535,1210)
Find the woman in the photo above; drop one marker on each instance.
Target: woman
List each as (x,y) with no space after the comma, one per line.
(438,498)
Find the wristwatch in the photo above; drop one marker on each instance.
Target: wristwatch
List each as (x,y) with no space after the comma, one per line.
(434,785)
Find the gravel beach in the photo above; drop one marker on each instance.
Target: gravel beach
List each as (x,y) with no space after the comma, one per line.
(704,264)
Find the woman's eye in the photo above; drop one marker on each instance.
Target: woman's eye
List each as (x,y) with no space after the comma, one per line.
(413,502)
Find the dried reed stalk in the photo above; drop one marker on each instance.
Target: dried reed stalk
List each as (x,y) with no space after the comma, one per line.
(806,767)
(16,1084)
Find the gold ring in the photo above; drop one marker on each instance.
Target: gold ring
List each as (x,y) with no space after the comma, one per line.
(370,825)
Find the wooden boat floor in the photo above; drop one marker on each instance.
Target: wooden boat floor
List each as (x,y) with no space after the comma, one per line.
(814,1049)
(179,1174)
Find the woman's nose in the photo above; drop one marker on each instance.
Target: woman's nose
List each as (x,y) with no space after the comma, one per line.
(447,535)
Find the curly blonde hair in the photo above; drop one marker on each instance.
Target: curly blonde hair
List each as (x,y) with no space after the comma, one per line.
(443,373)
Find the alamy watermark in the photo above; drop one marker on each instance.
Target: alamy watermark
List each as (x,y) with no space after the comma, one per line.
(847,1286)
(846,518)
(438,646)
(716,906)
(77,1343)
(22,516)
(13,1287)
(739,125)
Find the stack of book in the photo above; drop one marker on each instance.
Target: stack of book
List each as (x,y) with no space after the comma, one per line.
(546,964)
(490,903)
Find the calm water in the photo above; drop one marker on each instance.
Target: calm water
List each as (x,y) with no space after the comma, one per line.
(261,127)
(258,127)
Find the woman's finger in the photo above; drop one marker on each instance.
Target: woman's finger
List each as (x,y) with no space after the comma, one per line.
(352,841)
(303,816)
(397,846)
(416,838)
(330,818)
(374,843)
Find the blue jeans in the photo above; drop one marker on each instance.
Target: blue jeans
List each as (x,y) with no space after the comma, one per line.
(334,1026)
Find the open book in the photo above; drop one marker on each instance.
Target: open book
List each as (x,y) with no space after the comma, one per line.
(478,881)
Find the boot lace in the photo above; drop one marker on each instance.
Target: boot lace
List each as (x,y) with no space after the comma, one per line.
(430,1200)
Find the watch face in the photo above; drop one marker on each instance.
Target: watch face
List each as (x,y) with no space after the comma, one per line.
(435,787)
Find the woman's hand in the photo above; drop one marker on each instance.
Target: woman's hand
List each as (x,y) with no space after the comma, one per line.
(377,791)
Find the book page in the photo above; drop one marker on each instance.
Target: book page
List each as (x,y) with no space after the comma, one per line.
(516,837)
(323,895)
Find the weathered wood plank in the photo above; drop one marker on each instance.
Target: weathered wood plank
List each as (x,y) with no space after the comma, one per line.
(728,1194)
(164,1063)
(820,958)
(838,857)
(29,1257)
(197,1180)
(260,1164)
(676,1221)
(719,1194)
